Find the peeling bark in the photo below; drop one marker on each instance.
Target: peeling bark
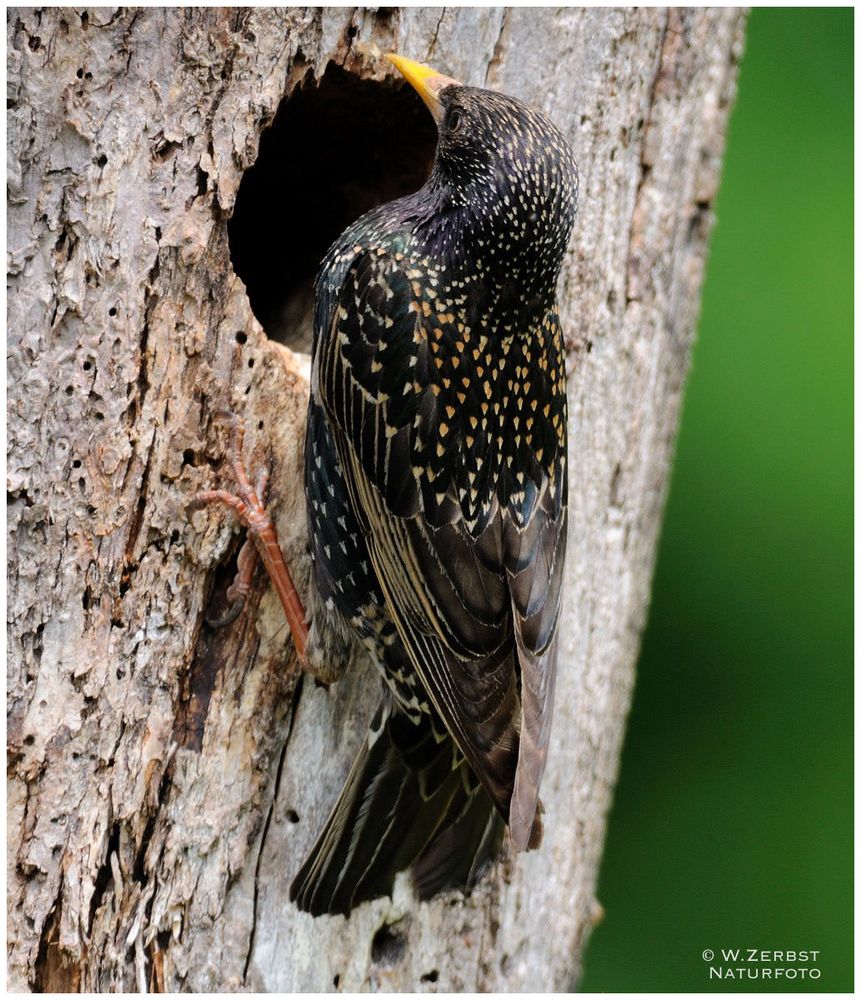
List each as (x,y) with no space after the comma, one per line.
(165,780)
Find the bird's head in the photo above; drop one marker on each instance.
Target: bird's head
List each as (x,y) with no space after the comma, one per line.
(506,171)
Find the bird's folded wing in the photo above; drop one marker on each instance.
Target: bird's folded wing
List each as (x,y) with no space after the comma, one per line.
(466,666)
(472,584)
(535,559)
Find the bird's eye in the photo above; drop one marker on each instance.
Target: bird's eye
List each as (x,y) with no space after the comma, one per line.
(454,120)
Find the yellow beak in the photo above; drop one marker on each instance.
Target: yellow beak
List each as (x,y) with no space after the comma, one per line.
(427,82)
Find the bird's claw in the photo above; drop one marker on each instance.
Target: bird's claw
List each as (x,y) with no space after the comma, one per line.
(237,592)
(262,542)
(247,504)
(247,500)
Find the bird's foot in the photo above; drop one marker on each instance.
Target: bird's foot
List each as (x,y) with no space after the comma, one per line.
(237,593)
(261,544)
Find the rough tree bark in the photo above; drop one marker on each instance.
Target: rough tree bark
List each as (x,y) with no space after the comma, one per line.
(165,779)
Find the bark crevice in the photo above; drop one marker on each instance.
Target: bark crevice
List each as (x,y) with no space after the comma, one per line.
(292,817)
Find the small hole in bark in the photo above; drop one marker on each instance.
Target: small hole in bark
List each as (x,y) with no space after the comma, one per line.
(80,74)
(34,43)
(76,464)
(164,150)
(260,425)
(188,457)
(112,311)
(615,486)
(102,160)
(338,147)
(85,19)
(82,483)
(389,945)
(336,982)
(292,816)
(87,365)
(241,337)
(430,977)
(37,640)
(29,740)
(70,390)
(251,362)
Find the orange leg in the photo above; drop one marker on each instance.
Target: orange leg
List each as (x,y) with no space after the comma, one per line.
(248,507)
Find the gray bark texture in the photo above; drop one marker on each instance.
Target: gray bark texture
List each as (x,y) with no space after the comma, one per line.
(166,779)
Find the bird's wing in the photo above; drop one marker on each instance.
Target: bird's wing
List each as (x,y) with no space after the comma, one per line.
(469,556)
(535,522)
(535,560)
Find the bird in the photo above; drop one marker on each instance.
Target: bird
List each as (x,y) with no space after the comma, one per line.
(436,483)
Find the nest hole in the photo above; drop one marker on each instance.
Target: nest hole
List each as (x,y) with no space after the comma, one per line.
(338,146)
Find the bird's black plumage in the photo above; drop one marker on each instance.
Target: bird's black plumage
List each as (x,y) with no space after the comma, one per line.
(436,484)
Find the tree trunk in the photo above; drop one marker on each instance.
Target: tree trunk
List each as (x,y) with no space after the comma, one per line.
(166,779)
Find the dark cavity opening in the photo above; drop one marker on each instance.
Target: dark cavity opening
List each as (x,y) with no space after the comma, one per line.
(338,147)
(389,944)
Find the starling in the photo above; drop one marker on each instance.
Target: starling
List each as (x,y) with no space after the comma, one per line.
(436,488)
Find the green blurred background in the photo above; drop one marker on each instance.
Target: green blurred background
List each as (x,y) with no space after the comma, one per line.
(733,818)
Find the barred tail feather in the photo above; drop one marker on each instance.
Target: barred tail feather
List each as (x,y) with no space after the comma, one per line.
(468,842)
(410,799)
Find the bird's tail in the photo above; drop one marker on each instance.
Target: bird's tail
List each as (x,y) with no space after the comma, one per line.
(410,801)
